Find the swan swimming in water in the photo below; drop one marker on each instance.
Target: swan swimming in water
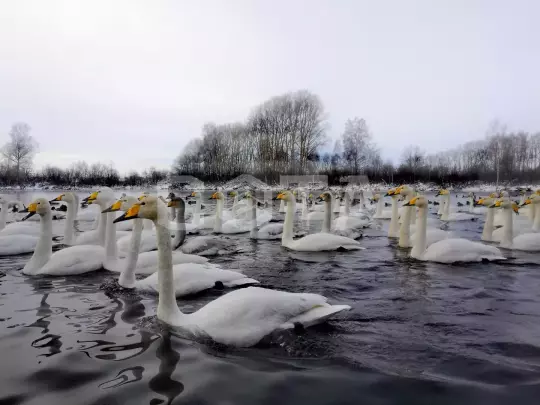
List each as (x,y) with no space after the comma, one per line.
(447,250)
(452,216)
(240,318)
(269,231)
(529,242)
(316,242)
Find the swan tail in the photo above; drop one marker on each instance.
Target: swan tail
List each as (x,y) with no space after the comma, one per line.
(240,282)
(316,315)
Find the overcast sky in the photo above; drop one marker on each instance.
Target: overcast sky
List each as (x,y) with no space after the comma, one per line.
(132,81)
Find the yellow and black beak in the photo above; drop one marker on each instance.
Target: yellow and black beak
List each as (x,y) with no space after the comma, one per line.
(214,196)
(193,194)
(113,208)
(31,209)
(91,198)
(515,208)
(171,203)
(280,196)
(496,204)
(132,213)
(59,198)
(390,193)
(479,202)
(411,202)
(526,202)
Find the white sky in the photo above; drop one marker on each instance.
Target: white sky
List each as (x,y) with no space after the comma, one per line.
(132,81)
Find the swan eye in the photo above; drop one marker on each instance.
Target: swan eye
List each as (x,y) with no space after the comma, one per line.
(143,203)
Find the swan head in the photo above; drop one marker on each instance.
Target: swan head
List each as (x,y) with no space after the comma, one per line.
(248,195)
(392,193)
(442,192)
(326,197)
(176,202)
(122,204)
(419,201)
(485,201)
(67,197)
(218,195)
(506,204)
(233,193)
(285,196)
(405,191)
(39,206)
(149,208)
(100,197)
(533,199)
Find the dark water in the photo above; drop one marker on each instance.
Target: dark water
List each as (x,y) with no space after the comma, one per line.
(418,333)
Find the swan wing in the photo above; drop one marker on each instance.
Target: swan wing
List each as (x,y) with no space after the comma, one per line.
(17,244)
(318,242)
(461,250)
(191,278)
(74,260)
(527,241)
(148,242)
(243,317)
(21,229)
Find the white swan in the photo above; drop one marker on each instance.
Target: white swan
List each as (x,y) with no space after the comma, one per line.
(72,260)
(142,262)
(15,228)
(393,229)
(447,250)
(380,212)
(448,216)
(188,278)
(529,242)
(17,244)
(487,231)
(237,225)
(328,225)
(269,231)
(315,242)
(240,318)
(347,221)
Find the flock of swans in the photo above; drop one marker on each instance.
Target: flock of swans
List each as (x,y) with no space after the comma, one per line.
(146,236)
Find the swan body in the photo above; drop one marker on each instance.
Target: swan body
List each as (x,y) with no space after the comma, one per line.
(448,250)
(17,244)
(380,212)
(323,241)
(15,228)
(527,241)
(240,318)
(448,216)
(268,232)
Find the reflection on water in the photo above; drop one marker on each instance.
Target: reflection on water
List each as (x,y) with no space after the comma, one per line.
(418,333)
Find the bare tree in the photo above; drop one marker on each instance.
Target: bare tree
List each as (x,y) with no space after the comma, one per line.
(20,150)
(357,147)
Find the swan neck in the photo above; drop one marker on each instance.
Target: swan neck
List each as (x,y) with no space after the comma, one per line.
(287,236)
(3,215)
(110,237)
(508,234)
(446,208)
(219,216)
(69,226)
(127,277)
(394,221)
(536,216)
(254,231)
(43,251)
(405,229)
(304,207)
(327,215)
(420,244)
(347,204)
(379,211)
(487,232)
(180,229)
(102,228)
(197,213)
(167,307)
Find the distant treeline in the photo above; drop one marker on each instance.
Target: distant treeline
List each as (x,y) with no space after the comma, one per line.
(287,135)
(83,174)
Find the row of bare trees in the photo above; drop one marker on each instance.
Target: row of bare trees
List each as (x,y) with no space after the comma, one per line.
(17,155)
(280,136)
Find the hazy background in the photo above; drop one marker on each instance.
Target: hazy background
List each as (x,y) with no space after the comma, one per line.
(133,81)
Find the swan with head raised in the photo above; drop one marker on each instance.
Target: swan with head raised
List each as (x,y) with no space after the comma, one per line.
(529,242)
(447,250)
(452,216)
(240,318)
(316,242)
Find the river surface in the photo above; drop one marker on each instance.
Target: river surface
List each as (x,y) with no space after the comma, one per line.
(418,333)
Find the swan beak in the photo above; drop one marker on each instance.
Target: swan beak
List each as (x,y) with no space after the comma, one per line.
(31,209)
(213,196)
(193,194)
(59,198)
(497,204)
(411,202)
(280,196)
(515,208)
(170,203)
(92,197)
(478,202)
(113,208)
(132,213)
(390,193)
(526,202)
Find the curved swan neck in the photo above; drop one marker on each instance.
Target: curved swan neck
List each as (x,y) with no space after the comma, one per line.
(420,244)
(127,276)
(219,216)
(508,235)
(3,215)
(487,232)
(328,204)
(287,235)
(180,230)
(446,208)
(167,307)
(102,228)
(43,251)
(254,231)
(394,222)
(405,229)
